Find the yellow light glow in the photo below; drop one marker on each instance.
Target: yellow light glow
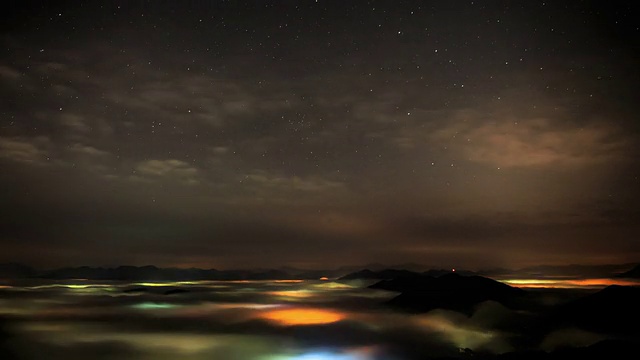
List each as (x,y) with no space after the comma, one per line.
(245,306)
(332,286)
(298,294)
(302,316)
(169,283)
(69,286)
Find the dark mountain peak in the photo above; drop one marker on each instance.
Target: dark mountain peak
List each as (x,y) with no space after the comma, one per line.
(451,281)
(474,282)
(440,272)
(451,291)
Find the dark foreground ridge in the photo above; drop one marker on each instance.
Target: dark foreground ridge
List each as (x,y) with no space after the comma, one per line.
(613,310)
(451,291)
(606,349)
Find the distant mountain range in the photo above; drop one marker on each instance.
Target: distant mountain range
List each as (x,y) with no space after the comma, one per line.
(575,270)
(140,273)
(370,272)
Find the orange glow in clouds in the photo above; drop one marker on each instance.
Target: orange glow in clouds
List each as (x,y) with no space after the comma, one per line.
(569,283)
(303,316)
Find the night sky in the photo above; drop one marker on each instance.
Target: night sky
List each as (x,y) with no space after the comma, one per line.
(234,134)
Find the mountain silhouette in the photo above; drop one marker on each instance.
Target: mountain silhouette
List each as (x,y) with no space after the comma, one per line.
(131,273)
(451,292)
(367,274)
(153,273)
(605,349)
(440,272)
(614,309)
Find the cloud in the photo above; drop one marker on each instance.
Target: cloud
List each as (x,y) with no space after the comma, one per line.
(296,183)
(10,73)
(75,123)
(23,150)
(52,67)
(210,101)
(569,337)
(88,150)
(78,126)
(171,168)
(231,323)
(219,150)
(508,141)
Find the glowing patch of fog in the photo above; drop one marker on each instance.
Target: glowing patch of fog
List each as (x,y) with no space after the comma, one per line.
(298,294)
(332,286)
(221,312)
(312,291)
(38,307)
(459,330)
(303,316)
(154,306)
(186,344)
(193,346)
(71,286)
(245,306)
(569,283)
(362,353)
(165,284)
(569,337)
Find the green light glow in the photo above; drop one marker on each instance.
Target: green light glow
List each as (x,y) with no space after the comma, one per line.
(154,306)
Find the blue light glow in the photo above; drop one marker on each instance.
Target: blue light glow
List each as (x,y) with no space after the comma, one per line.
(324,355)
